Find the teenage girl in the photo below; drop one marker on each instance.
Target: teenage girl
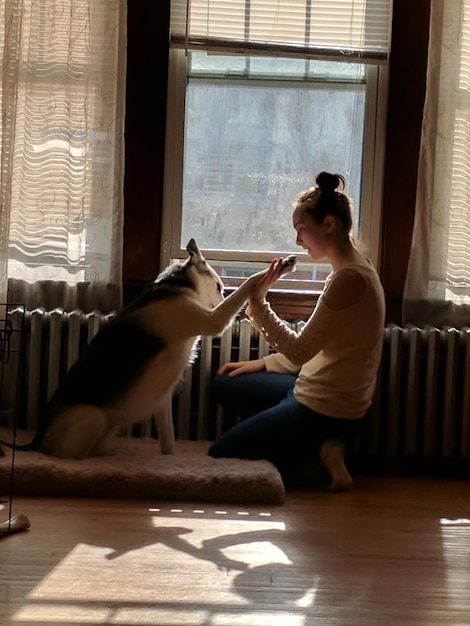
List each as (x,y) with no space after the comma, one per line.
(313,392)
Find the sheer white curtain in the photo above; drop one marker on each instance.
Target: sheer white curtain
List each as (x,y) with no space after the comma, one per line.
(62,96)
(437,290)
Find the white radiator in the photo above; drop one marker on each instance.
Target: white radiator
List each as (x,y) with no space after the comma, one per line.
(421,407)
(41,346)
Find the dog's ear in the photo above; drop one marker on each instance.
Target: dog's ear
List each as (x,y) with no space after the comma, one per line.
(195,255)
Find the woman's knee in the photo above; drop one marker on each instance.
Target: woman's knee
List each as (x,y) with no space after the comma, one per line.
(224,386)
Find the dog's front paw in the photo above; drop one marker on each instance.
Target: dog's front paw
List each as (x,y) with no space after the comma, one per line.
(288,264)
(167,448)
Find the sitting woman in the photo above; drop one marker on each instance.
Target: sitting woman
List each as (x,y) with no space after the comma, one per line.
(312,393)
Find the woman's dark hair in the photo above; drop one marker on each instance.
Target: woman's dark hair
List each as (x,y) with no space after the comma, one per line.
(327,198)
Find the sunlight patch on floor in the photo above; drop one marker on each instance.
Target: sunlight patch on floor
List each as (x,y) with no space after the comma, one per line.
(65,614)
(455,533)
(239,553)
(258,618)
(62,613)
(189,512)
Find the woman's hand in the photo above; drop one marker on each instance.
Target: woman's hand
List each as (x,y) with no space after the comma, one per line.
(242,367)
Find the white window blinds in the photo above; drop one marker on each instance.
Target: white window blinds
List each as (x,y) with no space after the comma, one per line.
(353,29)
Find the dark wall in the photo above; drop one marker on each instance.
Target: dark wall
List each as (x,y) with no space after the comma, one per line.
(147,72)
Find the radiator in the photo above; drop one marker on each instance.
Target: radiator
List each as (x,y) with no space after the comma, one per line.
(421,406)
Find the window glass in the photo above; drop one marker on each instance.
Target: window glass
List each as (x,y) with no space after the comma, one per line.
(257,131)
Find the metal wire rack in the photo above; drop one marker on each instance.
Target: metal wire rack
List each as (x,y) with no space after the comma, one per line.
(12,320)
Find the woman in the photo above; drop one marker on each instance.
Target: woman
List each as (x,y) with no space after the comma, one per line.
(313,392)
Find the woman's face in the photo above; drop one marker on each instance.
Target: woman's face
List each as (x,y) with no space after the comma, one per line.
(311,235)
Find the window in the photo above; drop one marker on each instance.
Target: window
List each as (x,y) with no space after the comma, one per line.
(250,122)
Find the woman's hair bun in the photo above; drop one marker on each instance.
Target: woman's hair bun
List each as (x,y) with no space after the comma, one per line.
(329,182)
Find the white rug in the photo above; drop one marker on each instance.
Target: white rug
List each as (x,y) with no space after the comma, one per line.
(137,470)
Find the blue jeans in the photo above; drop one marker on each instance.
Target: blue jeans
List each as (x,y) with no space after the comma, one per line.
(274,426)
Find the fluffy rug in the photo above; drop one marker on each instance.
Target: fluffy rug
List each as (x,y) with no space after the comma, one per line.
(137,470)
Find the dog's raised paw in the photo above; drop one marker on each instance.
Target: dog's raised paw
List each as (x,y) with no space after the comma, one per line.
(288,263)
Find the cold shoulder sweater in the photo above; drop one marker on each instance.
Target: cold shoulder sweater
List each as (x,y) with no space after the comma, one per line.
(337,353)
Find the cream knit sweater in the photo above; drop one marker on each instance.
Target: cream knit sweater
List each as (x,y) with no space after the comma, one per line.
(337,353)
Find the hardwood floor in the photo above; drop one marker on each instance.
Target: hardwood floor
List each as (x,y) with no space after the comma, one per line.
(394,551)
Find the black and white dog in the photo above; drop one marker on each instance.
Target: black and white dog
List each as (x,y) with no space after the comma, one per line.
(130,370)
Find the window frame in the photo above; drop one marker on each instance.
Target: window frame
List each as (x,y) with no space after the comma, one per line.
(373,166)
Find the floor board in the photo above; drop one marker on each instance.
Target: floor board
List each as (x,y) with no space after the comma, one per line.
(395,550)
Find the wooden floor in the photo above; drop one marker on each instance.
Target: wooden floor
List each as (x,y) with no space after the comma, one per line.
(393,551)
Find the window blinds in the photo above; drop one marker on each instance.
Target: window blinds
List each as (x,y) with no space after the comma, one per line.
(351,29)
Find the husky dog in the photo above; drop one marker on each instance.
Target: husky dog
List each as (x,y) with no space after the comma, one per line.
(130,370)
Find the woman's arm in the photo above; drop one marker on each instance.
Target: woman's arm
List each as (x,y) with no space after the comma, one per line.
(346,289)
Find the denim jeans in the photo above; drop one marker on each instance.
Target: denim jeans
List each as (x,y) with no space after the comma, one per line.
(274,426)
